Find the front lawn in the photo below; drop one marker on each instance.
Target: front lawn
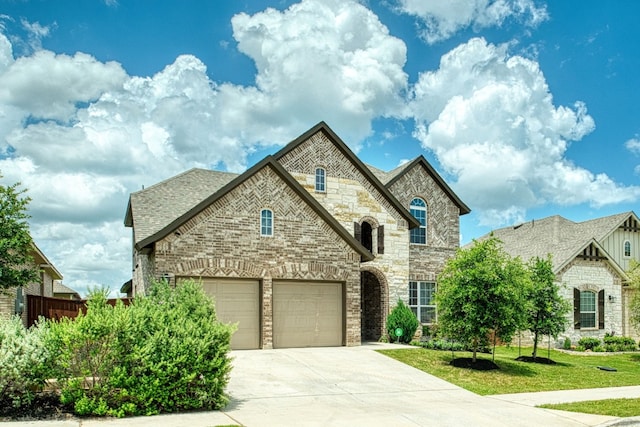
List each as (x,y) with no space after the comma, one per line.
(611,407)
(569,372)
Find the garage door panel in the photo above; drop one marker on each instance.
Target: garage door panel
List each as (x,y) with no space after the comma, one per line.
(307,314)
(237,301)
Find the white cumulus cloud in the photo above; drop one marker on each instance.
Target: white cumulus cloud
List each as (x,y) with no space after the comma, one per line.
(490,119)
(442,19)
(81,134)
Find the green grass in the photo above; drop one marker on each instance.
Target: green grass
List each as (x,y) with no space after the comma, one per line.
(612,407)
(570,372)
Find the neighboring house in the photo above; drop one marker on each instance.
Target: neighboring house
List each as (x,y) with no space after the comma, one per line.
(64,292)
(44,287)
(590,260)
(309,247)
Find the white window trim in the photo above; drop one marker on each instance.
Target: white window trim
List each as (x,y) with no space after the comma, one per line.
(595,311)
(426,219)
(262,234)
(418,306)
(624,246)
(324,180)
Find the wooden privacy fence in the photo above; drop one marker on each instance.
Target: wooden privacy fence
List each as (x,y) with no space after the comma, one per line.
(56,308)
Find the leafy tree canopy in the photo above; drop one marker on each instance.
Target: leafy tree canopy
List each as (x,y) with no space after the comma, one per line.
(482,290)
(547,310)
(16,263)
(634,282)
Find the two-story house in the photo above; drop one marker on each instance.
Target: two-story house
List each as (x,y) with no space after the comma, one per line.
(309,247)
(590,261)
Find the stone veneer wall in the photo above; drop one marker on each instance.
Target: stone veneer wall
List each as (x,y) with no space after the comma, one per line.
(443,225)
(350,197)
(594,276)
(224,241)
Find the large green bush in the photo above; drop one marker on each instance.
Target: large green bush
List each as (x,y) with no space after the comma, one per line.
(23,357)
(165,352)
(402,317)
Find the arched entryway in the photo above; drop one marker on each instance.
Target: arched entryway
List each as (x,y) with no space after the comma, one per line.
(373,304)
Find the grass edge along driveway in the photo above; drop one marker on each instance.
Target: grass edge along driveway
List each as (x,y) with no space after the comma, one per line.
(570,371)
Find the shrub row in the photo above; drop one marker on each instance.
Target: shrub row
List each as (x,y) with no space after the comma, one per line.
(164,353)
(609,343)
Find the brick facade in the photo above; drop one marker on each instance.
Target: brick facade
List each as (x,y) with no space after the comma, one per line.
(222,239)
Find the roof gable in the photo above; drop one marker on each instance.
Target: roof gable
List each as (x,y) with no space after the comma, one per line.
(270,162)
(394,175)
(563,239)
(152,208)
(322,127)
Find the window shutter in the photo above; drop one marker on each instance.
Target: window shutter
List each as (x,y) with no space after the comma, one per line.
(576,308)
(357,231)
(601,309)
(380,239)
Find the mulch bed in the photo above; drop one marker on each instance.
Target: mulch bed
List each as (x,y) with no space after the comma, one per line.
(45,406)
(478,365)
(530,359)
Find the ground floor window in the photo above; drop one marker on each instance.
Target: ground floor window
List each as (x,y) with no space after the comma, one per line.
(422,301)
(587,309)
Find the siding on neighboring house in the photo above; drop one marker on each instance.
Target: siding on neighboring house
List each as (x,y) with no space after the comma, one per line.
(593,276)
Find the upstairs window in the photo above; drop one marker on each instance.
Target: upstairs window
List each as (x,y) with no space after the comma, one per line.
(266,222)
(321,186)
(627,248)
(419,211)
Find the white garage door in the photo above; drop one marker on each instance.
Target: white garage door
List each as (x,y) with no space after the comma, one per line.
(237,301)
(307,314)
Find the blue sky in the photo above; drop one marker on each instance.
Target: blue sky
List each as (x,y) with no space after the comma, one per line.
(527,108)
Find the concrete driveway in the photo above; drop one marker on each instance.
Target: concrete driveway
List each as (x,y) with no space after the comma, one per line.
(357,386)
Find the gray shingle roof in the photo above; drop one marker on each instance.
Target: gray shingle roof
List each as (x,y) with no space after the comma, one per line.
(59,288)
(555,235)
(154,207)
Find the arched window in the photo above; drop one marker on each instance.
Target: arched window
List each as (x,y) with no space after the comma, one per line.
(627,248)
(266,222)
(321,184)
(419,211)
(367,236)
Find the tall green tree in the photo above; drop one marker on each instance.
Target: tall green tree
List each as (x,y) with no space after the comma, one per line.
(634,283)
(547,309)
(16,263)
(482,290)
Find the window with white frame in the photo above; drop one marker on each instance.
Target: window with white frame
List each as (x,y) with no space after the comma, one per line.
(587,309)
(419,211)
(422,301)
(627,248)
(266,222)
(321,184)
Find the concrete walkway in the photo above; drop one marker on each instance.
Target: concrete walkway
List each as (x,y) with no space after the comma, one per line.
(357,386)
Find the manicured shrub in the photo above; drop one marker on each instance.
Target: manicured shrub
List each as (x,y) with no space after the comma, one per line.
(23,358)
(567,343)
(619,343)
(589,343)
(165,352)
(402,317)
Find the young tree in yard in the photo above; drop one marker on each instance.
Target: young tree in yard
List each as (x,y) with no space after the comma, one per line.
(16,264)
(479,291)
(634,282)
(547,309)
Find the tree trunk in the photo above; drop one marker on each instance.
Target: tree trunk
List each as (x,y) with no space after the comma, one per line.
(475,349)
(535,345)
